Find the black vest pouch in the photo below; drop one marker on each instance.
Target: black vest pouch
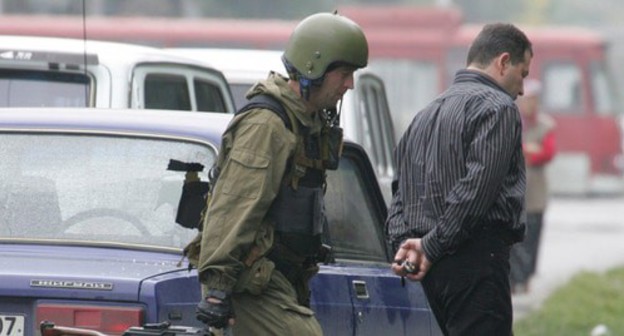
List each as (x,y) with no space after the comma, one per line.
(331,144)
(192,202)
(299,213)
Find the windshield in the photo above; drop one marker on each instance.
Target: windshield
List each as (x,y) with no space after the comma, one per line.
(563,88)
(602,89)
(94,188)
(24,88)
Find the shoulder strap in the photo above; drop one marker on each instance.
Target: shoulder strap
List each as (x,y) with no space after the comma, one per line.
(270,103)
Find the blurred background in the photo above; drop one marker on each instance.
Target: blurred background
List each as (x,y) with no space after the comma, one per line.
(416,47)
(597,13)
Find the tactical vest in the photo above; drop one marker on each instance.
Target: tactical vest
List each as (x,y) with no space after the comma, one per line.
(298,209)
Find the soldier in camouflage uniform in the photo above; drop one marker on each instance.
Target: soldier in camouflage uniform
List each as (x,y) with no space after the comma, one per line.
(265,216)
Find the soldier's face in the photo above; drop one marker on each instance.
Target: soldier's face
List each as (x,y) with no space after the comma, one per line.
(335,85)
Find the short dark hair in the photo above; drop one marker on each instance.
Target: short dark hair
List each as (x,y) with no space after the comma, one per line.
(495,39)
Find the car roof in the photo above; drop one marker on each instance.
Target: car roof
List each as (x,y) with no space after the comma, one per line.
(247,66)
(205,127)
(238,65)
(76,51)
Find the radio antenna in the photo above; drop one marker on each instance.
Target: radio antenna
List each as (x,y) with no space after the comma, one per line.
(84,49)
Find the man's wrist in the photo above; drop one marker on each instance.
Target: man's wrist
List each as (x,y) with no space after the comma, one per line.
(429,247)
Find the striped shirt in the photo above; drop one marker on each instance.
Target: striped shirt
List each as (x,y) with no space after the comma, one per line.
(460,168)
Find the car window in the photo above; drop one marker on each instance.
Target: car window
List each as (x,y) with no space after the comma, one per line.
(53,89)
(353,221)
(563,88)
(167,92)
(94,189)
(209,96)
(180,87)
(602,89)
(379,131)
(239,92)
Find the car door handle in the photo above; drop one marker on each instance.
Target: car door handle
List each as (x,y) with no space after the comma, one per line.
(361,291)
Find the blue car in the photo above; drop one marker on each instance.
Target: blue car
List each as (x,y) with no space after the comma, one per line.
(89,239)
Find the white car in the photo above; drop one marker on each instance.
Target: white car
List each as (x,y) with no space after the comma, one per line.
(62,72)
(365,116)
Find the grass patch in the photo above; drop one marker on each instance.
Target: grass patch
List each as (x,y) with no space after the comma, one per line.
(587,300)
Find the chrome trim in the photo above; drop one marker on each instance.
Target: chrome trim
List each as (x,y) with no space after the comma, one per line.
(64,284)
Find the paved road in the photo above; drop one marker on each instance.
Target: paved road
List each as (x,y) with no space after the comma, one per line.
(579,234)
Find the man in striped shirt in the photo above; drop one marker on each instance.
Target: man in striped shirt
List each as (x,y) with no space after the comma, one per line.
(459,199)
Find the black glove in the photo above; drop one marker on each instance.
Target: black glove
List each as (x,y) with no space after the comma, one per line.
(215,310)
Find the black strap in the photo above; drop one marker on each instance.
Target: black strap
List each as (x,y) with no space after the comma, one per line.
(268,102)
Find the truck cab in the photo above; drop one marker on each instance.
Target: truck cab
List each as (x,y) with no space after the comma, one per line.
(578,93)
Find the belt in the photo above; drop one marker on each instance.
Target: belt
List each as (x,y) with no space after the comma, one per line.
(498,229)
(288,263)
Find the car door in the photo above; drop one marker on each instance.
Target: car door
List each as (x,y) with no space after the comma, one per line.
(180,87)
(358,294)
(376,128)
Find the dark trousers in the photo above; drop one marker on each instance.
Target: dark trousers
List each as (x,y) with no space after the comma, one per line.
(469,290)
(524,255)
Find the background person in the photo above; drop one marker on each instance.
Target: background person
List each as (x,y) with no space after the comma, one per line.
(264,222)
(538,146)
(461,184)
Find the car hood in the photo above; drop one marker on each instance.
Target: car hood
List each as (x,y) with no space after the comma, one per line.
(80,272)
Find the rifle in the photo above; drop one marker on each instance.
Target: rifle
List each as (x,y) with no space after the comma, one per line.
(149,329)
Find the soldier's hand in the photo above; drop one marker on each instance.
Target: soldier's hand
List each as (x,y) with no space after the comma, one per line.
(215,310)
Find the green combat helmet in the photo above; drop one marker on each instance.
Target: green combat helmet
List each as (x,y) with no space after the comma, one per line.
(320,41)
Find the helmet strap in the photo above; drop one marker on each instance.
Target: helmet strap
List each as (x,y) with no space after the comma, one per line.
(304,87)
(306,84)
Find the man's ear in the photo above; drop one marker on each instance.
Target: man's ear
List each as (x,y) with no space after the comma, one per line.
(503,61)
